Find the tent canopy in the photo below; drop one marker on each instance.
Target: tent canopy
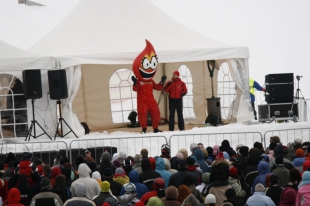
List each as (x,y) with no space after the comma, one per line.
(13,58)
(113,32)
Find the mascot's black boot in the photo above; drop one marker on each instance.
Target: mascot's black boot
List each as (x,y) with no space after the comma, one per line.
(143,130)
(157,130)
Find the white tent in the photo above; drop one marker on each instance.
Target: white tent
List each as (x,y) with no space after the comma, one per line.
(99,37)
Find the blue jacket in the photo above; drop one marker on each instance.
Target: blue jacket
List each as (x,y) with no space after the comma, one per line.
(256,86)
(263,169)
(201,161)
(160,168)
(259,199)
(141,189)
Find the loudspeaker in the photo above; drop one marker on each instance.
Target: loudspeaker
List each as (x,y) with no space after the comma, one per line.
(57,81)
(279,78)
(279,98)
(213,119)
(32,84)
(280,89)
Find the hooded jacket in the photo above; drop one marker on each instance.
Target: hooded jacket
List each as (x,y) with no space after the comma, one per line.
(160,168)
(263,169)
(141,189)
(168,166)
(14,198)
(201,161)
(92,186)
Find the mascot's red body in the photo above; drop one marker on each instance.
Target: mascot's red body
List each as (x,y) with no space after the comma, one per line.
(144,68)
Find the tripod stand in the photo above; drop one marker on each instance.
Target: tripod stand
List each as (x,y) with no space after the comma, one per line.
(60,122)
(33,126)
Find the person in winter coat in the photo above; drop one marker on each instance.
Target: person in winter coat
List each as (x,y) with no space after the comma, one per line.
(14,198)
(92,186)
(190,165)
(259,198)
(171,195)
(104,194)
(282,172)
(263,169)
(160,168)
(129,198)
(190,183)
(176,89)
(233,198)
(96,175)
(120,176)
(235,183)
(55,172)
(159,184)
(140,188)
(60,188)
(299,159)
(148,176)
(288,197)
(115,187)
(254,85)
(191,199)
(201,161)
(168,166)
(303,194)
(177,178)
(274,191)
(80,197)
(46,197)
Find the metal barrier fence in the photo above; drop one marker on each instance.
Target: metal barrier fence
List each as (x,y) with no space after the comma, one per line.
(288,135)
(210,139)
(43,150)
(129,145)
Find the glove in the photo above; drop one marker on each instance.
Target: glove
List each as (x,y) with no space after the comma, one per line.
(134,79)
(163,79)
(264,90)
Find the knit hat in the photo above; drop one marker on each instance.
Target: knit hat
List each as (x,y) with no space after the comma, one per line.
(176,73)
(244,150)
(179,155)
(115,156)
(193,146)
(258,145)
(215,149)
(297,140)
(184,152)
(210,199)
(25,156)
(259,188)
(182,163)
(171,192)
(105,186)
(233,172)
(112,201)
(116,163)
(80,189)
(159,183)
(190,161)
(105,156)
(106,204)
(119,171)
(129,187)
(144,153)
(137,158)
(230,192)
(96,175)
(45,183)
(225,143)
(107,173)
(300,153)
(205,177)
(122,155)
(220,156)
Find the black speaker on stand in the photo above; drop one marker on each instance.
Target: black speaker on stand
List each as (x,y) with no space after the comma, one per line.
(57,81)
(33,90)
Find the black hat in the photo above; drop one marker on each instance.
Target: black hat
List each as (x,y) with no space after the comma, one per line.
(190,161)
(258,145)
(279,160)
(244,150)
(182,163)
(45,183)
(225,143)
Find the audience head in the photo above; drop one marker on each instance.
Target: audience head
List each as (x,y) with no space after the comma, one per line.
(259,188)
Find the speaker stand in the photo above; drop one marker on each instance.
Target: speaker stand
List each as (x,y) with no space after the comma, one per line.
(33,126)
(60,121)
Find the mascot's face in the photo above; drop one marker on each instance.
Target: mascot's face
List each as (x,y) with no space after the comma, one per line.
(145,65)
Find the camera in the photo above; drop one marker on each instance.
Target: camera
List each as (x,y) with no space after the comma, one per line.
(298,77)
(86,151)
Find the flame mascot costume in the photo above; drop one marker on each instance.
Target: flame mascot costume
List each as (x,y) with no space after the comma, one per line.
(144,67)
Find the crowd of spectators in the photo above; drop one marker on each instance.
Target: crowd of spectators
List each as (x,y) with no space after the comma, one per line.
(212,175)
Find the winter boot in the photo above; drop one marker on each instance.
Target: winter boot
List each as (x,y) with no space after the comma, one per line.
(143,130)
(157,130)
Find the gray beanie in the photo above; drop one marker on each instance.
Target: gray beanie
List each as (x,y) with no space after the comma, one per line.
(105,157)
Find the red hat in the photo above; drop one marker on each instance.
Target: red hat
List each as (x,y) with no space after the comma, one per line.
(220,156)
(176,73)
(300,153)
(233,172)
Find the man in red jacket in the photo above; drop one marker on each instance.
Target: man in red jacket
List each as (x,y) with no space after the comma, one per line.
(176,89)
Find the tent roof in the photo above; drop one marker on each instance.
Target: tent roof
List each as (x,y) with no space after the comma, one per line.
(13,58)
(113,32)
